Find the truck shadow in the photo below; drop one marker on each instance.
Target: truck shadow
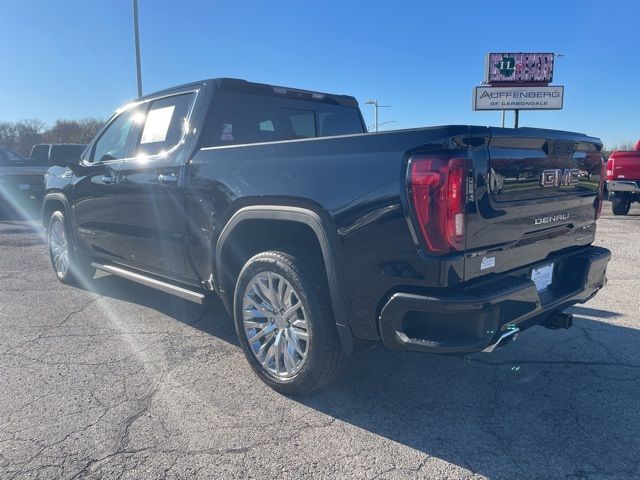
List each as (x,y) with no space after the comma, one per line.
(556,404)
(29,213)
(211,318)
(594,312)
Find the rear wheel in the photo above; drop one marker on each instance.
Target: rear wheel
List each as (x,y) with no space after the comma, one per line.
(69,266)
(620,205)
(284,322)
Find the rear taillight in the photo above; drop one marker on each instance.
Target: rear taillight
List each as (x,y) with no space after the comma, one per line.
(437,194)
(609,169)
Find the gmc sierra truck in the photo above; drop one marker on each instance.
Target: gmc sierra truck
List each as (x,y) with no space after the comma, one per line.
(623,179)
(322,239)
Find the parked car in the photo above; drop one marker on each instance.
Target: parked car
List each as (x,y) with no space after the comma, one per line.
(321,238)
(21,183)
(623,179)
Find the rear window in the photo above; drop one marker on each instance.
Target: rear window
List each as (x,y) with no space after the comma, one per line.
(239,118)
(40,155)
(67,152)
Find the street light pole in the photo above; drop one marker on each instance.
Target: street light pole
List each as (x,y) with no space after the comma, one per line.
(376,106)
(376,109)
(137,41)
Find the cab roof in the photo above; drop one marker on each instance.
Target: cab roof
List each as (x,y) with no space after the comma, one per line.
(244,86)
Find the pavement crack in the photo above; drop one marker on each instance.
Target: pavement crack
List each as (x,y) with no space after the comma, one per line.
(13,273)
(49,328)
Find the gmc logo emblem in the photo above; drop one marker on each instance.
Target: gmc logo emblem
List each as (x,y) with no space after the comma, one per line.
(559,178)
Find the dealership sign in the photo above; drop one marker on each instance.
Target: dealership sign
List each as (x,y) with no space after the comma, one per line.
(518,98)
(527,68)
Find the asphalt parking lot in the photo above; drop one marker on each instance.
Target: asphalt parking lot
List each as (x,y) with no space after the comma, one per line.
(121,381)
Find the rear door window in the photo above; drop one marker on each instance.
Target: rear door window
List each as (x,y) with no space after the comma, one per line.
(165,123)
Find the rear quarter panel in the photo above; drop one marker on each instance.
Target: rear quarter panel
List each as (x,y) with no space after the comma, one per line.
(355,182)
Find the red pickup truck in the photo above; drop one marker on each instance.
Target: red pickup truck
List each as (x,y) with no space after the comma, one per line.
(623,179)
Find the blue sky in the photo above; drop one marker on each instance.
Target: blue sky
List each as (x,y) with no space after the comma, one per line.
(72,58)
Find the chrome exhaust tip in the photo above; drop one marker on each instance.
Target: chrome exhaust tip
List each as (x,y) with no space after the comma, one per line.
(505,339)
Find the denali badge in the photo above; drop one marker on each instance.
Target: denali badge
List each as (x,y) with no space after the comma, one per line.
(558,178)
(552,218)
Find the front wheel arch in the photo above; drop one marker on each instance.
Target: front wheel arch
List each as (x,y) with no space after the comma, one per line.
(53,202)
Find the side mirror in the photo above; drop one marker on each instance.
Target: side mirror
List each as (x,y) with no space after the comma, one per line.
(65,155)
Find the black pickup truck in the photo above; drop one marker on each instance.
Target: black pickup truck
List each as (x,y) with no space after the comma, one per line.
(321,238)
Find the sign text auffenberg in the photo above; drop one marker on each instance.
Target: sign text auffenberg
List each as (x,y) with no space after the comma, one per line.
(520,98)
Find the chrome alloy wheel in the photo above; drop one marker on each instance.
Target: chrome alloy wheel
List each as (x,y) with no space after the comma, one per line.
(59,248)
(275,324)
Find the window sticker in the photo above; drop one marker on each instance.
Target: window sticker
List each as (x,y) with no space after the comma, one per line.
(157,125)
(267,126)
(227,132)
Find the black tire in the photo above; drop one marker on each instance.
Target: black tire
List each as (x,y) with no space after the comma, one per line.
(620,205)
(79,270)
(325,359)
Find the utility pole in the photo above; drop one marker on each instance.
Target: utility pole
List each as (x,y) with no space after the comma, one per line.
(137,41)
(376,106)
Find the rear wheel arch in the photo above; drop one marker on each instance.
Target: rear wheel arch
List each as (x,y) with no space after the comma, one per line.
(301,228)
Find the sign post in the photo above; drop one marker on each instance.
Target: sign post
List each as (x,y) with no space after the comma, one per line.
(518,81)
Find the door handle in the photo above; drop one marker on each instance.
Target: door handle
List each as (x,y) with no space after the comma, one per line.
(167,179)
(108,180)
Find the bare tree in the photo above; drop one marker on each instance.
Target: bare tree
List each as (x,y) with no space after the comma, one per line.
(63,131)
(24,134)
(28,133)
(623,146)
(8,135)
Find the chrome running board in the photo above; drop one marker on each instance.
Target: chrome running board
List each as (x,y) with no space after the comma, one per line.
(191,295)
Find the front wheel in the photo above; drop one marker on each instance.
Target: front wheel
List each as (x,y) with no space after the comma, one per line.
(284,322)
(620,205)
(68,266)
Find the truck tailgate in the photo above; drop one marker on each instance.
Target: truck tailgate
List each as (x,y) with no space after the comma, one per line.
(536,194)
(22,181)
(625,166)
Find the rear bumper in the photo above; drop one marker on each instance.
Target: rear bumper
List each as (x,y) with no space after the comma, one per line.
(472,319)
(623,186)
